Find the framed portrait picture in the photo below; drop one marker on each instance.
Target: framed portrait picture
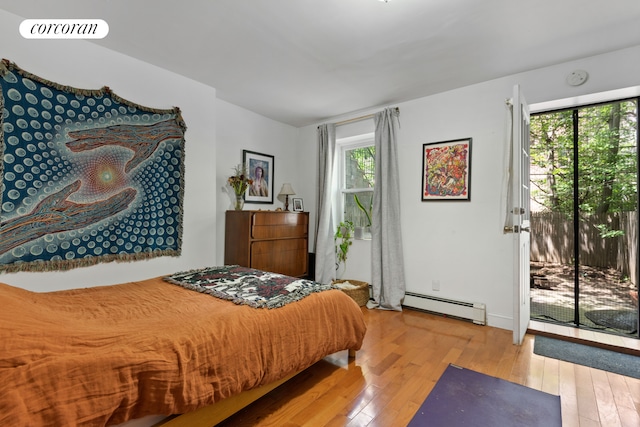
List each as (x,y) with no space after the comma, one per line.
(297,205)
(446,170)
(260,168)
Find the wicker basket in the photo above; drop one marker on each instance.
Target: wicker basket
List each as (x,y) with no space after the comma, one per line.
(359,294)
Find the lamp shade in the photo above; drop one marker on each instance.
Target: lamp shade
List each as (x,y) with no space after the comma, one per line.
(286,190)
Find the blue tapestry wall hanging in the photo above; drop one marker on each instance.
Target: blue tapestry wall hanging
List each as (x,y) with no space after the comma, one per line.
(86,176)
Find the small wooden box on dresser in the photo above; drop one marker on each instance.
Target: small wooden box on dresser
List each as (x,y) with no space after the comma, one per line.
(276,241)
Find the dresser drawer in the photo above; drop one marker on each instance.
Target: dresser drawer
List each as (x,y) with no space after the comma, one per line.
(280,225)
(274,241)
(287,257)
(278,218)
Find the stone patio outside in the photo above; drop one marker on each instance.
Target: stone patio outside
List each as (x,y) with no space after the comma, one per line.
(608,302)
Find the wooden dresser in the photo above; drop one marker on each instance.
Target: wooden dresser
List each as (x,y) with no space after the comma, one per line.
(268,240)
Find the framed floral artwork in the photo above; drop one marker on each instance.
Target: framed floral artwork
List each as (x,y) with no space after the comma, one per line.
(446,170)
(260,169)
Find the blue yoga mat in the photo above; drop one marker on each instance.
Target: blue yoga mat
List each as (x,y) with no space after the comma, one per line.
(463,397)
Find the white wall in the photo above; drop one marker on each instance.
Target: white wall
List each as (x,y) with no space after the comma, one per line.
(461,244)
(239,129)
(85,65)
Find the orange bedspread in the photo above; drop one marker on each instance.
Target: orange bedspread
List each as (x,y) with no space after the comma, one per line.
(104,355)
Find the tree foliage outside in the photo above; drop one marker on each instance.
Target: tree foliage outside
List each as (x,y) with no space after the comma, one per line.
(606,159)
(360,166)
(584,199)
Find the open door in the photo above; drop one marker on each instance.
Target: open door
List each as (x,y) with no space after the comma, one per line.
(520,212)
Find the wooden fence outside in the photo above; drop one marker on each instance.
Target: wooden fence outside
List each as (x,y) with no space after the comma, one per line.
(552,241)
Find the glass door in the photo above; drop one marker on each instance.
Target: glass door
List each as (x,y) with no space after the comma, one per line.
(584,221)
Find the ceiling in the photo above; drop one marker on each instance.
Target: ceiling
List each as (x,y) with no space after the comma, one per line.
(303,61)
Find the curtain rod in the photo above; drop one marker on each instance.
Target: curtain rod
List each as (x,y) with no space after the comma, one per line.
(357,119)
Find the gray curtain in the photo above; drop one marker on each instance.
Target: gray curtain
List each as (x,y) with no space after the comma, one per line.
(326,193)
(387,274)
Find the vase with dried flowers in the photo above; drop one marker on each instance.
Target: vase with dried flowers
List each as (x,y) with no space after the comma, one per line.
(240,181)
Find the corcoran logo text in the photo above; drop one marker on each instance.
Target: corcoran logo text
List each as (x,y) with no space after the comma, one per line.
(64,29)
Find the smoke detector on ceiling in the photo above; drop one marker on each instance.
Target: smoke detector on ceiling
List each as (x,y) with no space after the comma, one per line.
(577,77)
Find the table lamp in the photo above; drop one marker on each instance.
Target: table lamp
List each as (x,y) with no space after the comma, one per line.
(286,191)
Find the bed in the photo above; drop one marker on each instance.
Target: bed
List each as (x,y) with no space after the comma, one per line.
(105,355)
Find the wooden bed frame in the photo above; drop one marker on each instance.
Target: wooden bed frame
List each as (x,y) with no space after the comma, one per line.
(211,415)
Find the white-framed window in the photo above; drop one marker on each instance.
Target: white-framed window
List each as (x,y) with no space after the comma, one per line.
(357,163)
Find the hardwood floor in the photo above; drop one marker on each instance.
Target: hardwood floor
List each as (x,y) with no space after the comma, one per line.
(403,356)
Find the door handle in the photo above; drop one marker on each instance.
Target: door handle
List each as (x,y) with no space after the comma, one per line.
(516,229)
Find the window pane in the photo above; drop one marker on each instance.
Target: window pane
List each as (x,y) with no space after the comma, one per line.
(353,213)
(359,166)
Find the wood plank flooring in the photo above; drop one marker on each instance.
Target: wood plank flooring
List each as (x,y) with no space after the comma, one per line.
(403,356)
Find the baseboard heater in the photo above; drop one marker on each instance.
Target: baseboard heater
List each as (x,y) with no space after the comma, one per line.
(476,312)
